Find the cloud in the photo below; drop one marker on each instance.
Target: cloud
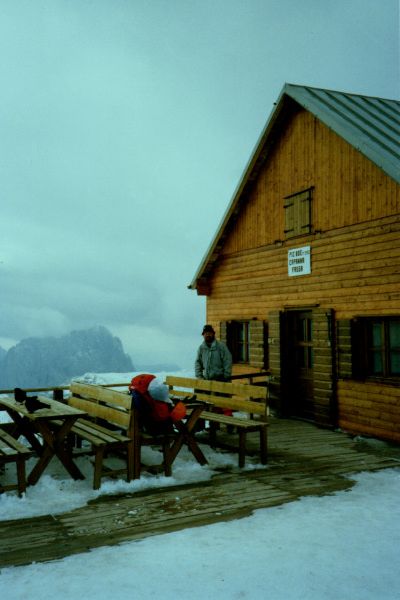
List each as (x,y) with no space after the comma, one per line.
(151,345)
(29,321)
(125,130)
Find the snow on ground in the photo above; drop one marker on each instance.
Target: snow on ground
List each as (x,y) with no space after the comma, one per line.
(56,492)
(339,547)
(344,546)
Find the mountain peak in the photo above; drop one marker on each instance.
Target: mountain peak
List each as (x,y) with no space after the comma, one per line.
(52,361)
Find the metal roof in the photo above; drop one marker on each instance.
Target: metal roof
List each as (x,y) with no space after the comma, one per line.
(369,124)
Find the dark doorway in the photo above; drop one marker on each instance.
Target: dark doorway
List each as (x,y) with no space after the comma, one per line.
(300,362)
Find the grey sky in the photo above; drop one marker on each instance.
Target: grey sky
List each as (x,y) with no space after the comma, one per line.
(125,127)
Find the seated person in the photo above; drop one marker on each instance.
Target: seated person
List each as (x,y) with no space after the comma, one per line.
(157,412)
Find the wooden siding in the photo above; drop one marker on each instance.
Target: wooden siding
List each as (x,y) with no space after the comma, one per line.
(348,188)
(355,270)
(370,409)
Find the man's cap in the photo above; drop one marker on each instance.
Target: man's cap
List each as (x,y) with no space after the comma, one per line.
(207,328)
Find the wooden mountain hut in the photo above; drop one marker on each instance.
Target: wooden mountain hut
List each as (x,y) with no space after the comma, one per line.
(303,275)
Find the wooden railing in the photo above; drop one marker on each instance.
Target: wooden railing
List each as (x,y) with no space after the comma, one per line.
(58,391)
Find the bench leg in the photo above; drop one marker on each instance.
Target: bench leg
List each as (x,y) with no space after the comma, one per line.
(2,471)
(21,476)
(263,446)
(167,459)
(242,448)
(213,434)
(137,455)
(20,464)
(98,467)
(130,461)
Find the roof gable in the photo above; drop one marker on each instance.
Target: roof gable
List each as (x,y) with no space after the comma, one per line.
(369,124)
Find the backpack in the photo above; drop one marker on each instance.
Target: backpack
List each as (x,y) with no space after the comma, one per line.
(155,416)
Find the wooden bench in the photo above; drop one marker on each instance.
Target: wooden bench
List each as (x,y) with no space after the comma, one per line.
(13,451)
(113,424)
(109,427)
(248,400)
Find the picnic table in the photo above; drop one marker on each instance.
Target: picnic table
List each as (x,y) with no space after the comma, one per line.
(53,421)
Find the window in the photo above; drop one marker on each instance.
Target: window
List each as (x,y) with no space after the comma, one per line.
(376,347)
(298,214)
(238,340)
(302,336)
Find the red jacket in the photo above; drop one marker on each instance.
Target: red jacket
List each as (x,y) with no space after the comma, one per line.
(155,409)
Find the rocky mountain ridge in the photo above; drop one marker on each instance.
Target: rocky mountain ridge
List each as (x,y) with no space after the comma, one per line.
(52,361)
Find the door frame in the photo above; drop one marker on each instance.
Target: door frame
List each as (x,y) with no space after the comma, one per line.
(324,378)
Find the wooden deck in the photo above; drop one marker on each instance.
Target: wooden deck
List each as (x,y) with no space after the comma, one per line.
(303,460)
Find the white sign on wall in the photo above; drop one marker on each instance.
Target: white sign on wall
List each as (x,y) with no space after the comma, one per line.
(299,261)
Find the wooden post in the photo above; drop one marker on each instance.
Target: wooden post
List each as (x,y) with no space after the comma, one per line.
(58,394)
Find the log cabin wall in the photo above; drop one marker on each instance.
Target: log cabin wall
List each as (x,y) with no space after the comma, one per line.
(355,251)
(355,271)
(369,408)
(348,188)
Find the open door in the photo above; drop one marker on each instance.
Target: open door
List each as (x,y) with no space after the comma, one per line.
(299,368)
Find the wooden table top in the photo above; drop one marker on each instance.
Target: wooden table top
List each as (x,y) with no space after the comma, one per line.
(53,409)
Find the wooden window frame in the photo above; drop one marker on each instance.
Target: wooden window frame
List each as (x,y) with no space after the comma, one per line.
(372,346)
(298,214)
(238,340)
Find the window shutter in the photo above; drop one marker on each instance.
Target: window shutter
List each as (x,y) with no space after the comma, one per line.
(229,341)
(223,331)
(265,345)
(305,212)
(358,349)
(343,348)
(298,213)
(289,218)
(256,350)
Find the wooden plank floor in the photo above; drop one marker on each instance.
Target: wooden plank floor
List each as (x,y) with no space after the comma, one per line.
(303,460)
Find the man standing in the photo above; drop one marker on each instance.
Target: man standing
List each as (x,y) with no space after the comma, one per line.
(213,360)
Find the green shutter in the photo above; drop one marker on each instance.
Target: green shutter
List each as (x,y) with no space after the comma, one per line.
(343,348)
(358,348)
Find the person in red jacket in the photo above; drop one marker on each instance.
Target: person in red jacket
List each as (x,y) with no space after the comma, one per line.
(157,412)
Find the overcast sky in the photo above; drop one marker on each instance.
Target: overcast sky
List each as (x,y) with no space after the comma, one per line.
(125,128)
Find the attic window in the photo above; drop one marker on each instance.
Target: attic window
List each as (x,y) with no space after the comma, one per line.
(298,213)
